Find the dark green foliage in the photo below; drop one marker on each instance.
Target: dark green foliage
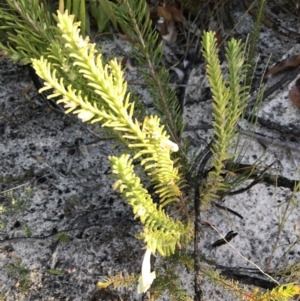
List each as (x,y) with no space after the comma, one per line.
(64,238)
(20,273)
(28,34)
(134,17)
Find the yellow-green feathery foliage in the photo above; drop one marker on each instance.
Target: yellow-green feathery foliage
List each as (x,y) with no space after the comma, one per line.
(102,98)
(118,281)
(31,35)
(281,293)
(229,101)
(160,231)
(78,9)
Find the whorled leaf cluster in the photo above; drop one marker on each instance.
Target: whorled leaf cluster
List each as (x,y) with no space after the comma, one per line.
(229,100)
(106,102)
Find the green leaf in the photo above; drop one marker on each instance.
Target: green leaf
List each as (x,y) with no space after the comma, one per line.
(108,10)
(99,15)
(55,272)
(82,16)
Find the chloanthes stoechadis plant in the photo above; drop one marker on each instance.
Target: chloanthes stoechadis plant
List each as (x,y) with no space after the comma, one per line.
(101,97)
(74,73)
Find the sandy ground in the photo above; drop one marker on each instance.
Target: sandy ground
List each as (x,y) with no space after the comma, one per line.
(56,185)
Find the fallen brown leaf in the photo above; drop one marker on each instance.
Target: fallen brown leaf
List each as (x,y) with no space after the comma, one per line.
(294,93)
(290,63)
(39,159)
